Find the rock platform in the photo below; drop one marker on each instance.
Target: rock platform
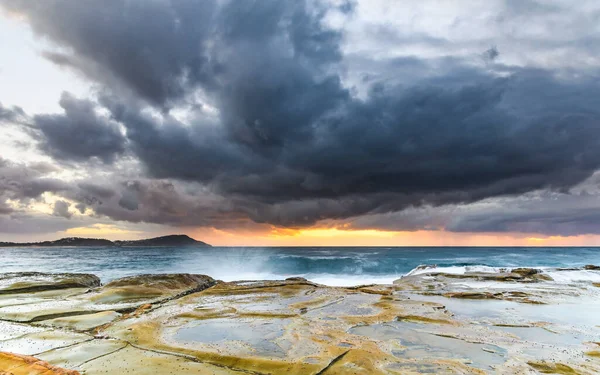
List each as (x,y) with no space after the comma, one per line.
(518,321)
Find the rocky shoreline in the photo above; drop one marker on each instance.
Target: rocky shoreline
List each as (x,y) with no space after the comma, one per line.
(519,321)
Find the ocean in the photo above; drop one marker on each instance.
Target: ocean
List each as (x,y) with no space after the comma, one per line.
(334,266)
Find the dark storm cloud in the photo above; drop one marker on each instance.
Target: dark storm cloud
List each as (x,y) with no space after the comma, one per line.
(21,223)
(288,143)
(80,133)
(491,54)
(437,144)
(136,201)
(5,208)
(14,114)
(545,212)
(163,202)
(4,113)
(564,221)
(61,208)
(97,190)
(22,183)
(153,48)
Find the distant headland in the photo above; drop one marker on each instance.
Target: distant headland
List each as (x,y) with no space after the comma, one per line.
(172,240)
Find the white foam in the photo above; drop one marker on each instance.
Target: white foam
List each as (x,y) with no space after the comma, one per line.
(575,276)
(351,280)
(455,270)
(324,279)
(319,257)
(559,276)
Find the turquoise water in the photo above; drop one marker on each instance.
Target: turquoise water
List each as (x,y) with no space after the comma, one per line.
(328,265)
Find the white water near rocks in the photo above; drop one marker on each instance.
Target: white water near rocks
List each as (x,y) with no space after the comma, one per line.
(335,266)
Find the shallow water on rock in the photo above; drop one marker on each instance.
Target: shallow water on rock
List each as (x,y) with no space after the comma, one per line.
(258,334)
(541,335)
(580,312)
(351,305)
(416,343)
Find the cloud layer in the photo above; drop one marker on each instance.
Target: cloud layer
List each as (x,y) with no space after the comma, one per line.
(271,112)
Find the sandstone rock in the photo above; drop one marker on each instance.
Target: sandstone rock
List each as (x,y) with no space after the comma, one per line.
(296,279)
(76,356)
(471,295)
(164,281)
(151,288)
(553,368)
(105,303)
(517,274)
(591,267)
(190,324)
(29,282)
(525,272)
(15,364)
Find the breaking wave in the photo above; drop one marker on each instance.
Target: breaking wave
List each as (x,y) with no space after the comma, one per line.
(336,266)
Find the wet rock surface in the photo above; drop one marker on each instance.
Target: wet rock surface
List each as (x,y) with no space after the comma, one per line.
(30,282)
(85,305)
(518,321)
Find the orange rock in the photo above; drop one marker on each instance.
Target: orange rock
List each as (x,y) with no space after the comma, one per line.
(15,364)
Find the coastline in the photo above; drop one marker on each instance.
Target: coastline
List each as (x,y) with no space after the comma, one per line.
(328,266)
(518,321)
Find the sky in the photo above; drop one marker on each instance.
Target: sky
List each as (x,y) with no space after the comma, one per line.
(302,123)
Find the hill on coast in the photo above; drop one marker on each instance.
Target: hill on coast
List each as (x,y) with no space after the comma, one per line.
(172,240)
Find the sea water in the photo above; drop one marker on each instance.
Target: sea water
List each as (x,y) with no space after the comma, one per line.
(336,266)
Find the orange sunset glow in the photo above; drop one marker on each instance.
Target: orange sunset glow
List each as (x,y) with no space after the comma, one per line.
(341,237)
(266,235)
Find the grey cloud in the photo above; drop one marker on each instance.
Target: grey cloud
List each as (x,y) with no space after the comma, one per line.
(21,182)
(5,113)
(21,223)
(90,194)
(548,213)
(444,142)
(81,207)
(150,201)
(99,191)
(13,114)
(5,208)
(129,197)
(114,42)
(409,219)
(33,188)
(491,54)
(80,133)
(61,208)
(530,8)
(391,35)
(289,143)
(43,167)
(165,202)
(541,212)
